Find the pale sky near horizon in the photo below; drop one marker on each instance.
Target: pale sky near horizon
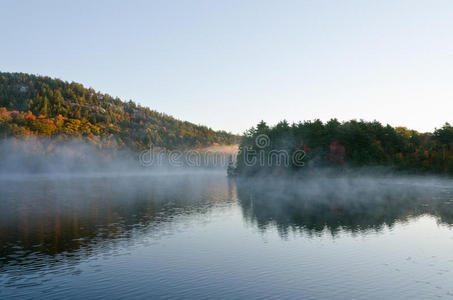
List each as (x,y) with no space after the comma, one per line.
(230,64)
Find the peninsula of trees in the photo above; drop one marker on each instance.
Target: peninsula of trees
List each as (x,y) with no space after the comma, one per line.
(348,145)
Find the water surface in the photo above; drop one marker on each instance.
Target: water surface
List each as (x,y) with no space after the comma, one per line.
(201,235)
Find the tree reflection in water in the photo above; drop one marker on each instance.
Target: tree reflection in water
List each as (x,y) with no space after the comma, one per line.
(355,205)
(47,223)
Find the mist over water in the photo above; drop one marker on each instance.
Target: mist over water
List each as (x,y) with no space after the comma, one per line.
(73,215)
(200,234)
(75,157)
(61,156)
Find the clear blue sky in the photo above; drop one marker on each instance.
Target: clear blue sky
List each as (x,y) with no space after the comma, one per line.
(229,64)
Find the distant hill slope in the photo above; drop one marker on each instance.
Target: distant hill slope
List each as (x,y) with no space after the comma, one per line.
(37,105)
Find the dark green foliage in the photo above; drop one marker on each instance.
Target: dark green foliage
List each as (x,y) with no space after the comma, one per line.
(352,144)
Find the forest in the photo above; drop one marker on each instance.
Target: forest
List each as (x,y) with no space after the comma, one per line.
(38,106)
(351,145)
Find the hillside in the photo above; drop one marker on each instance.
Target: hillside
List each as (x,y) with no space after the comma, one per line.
(35,105)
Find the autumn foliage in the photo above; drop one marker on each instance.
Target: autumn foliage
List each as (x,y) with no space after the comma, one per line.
(42,106)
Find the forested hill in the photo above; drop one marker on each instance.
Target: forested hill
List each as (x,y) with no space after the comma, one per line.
(35,105)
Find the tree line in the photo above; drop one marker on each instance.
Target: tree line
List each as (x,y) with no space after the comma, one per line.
(343,145)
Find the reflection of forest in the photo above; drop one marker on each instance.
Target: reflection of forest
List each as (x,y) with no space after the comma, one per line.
(53,221)
(343,205)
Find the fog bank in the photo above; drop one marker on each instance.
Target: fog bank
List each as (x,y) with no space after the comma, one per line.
(74,156)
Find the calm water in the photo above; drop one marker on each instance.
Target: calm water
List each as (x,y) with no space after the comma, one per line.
(204,236)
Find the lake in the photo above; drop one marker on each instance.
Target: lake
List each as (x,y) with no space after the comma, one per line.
(202,235)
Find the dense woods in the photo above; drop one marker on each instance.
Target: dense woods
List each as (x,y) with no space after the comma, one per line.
(348,145)
(41,106)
